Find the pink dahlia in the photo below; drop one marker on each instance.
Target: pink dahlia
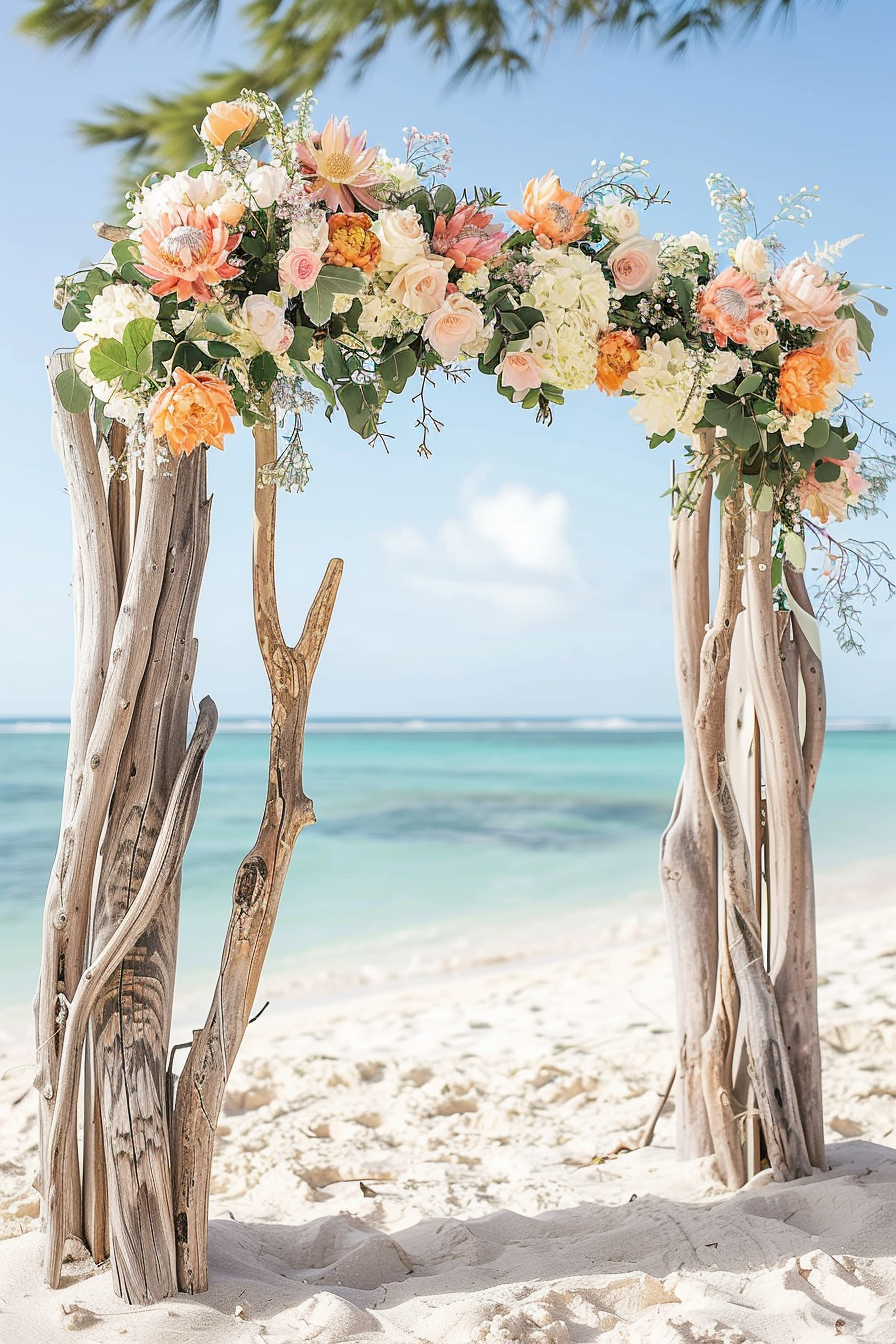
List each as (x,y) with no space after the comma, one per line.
(807,296)
(186,252)
(469,237)
(728,305)
(339,167)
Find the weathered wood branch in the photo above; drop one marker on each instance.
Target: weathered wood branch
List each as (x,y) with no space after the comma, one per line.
(688,848)
(133,1015)
(163,866)
(257,888)
(812,675)
(112,233)
(793,956)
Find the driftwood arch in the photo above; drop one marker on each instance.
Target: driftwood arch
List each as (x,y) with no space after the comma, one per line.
(736,867)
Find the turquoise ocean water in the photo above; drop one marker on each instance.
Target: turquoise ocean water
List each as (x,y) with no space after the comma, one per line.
(422,824)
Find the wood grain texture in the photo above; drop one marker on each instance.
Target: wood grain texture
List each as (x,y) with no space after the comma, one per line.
(133,1015)
(812,677)
(792,909)
(166,861)
(688,865)
(256,892)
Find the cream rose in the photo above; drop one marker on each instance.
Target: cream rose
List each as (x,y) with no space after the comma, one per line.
(401,237)
(842,344)
(299,268)
(761,333)
(619,220)
(421,284)
(266,183)
(634,264)
(520,370)
(458,323)
(698,240)
(310,233)
(751,257)
(265,318)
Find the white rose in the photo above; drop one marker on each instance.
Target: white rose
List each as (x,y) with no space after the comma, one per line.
(123,408)
(456,326)
(401,237)
(751,257)
(266,183)
(207,190)
(421,284)
(761,333)
(310,233)
(403,175)
(265,318)
(698,240)
(619,220)
(635,264)
(725,366)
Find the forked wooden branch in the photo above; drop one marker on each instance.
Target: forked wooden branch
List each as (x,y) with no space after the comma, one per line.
(257,888)
(688,848)
(164,865)
(792,906)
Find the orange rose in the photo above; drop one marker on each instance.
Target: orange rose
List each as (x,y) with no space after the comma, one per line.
(805,380)
(352,242)
(197,408)
(618,354)
(222,119)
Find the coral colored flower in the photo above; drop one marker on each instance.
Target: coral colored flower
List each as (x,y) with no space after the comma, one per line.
(729,305)
(555,216)
(469,237)
(340,167)
(826,499)
(196,408)
(186,252)
(222,119)
(618,353)
(805,380)
(352,242)
(520,370)
(807,296)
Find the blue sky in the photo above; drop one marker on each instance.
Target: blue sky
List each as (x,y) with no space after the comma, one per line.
(522,570)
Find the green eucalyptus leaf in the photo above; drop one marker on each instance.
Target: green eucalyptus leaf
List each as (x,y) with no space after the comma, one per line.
(302,341)
(223,350)
(125,250)
(216,322)
(334,361)
(263,371)
(317,380)
(331,280)
(444,200)
(817,434)
(716,412)
(825,472)
(134,276)
(751,383)
(252,244)
(72,392)
(864,330)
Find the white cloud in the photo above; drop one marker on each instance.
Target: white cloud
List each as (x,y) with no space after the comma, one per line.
(509,550)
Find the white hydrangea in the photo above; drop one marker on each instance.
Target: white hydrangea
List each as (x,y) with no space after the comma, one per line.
(203,190)
(110,312)
(670,387)
(566,282)
(569,353)
(382,316)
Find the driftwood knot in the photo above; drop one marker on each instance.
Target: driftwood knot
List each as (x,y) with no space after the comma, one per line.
(250,882)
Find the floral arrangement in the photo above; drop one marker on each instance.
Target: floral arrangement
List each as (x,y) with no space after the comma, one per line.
(251,287)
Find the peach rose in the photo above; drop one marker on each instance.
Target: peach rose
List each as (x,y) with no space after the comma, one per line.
(806,295)
(634,264)
(196,408)
(222,119)
(458,323)
(298,270)
(805,380)
(842,344)
(761,334)
(352,242)
(520,370)
(618,353)
(421,284)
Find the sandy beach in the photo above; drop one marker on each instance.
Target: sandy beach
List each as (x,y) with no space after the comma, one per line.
(419,1147)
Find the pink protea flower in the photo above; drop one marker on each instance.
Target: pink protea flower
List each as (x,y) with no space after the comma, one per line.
(469,237)
(340,167)
(186,252)
(728,305)
(807,295)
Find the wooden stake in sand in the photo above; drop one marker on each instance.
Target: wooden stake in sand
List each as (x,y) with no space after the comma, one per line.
(103,1006)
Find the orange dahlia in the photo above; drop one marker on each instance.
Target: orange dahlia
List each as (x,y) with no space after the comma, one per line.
(196,408)
(805,380)
(186,252)
(618,353)
(554,216)
(728,305)
(352,243)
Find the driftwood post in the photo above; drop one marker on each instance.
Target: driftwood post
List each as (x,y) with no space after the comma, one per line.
(103,1005)
(772,1004)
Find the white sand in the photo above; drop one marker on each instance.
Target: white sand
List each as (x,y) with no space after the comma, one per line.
(469,1085)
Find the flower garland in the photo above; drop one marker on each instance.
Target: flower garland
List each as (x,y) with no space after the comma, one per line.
(249,287)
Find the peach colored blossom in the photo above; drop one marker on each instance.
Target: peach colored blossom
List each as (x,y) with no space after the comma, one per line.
(196,408)
(352,242)
(421,285)
(841,342)
(298,270)
(456,324)
(553,215)
(340,168)
(618,353)
(520,370)
(805,380)
(469,237)
(634,264)
(186,252)
(729,305)
(826,499)
(222,119)
(806,295)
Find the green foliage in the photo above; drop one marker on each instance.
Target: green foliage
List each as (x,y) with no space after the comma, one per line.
(318,301)
(73,393)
